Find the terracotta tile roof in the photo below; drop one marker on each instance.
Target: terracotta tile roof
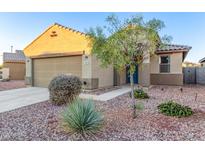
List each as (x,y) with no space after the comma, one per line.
(173,48)
(18,56)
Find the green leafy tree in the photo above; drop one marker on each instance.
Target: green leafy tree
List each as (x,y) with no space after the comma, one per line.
(126,43)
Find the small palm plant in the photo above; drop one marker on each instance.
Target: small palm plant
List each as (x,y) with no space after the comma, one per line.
(138,107)
(81,117)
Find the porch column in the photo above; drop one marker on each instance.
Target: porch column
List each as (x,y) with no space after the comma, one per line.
(89,82)
(28,77)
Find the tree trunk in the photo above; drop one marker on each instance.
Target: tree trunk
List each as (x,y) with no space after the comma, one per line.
(132,95)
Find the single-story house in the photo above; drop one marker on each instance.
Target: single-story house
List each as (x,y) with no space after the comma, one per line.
(63,50)
(202,62)
(15,62)
(4,74)
(190,64)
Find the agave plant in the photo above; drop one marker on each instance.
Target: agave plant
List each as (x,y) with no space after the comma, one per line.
(81,117)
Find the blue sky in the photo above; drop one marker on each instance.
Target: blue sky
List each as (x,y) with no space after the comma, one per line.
(19,29)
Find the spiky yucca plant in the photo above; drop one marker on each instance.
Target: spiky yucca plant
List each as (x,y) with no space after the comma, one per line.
(81,117)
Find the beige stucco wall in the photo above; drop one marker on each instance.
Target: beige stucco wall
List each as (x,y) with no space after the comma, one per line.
(86,66)
(144,74)
(175,63)
(94,74)
(87,79)
(28,67)
(105,75)
(16,70)
(28,78)
(154,67)
(92,69)
(65,40)
(175,77)
(144,71)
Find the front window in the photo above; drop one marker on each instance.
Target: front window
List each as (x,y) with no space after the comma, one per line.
(164,64)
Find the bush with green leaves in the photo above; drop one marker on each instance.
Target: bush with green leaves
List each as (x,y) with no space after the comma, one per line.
(140,94)
(64,88)
(81,117)
(172,108)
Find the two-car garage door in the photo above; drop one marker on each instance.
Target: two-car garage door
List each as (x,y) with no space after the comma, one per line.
(45,69)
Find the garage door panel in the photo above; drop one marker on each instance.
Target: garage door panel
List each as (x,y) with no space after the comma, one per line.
(45,69)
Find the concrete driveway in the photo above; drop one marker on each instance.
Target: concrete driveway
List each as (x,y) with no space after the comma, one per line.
(16,98)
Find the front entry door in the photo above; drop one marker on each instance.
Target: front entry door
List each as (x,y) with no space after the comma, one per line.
(135,75)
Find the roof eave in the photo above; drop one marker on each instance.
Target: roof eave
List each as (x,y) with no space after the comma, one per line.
(171,51)
(184,52)
(54,55)
(13,61)
(202,60)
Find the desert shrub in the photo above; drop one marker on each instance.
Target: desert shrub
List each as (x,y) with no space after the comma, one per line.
(64,88)
(140,94)
(81,117)
(172,108)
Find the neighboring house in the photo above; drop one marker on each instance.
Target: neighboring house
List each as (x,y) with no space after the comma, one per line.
(190,64)
(202,62)
(62,50)
(4,74)
(16,64)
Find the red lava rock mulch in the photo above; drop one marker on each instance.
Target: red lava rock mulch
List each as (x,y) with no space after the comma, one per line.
(12,84)
(43,121)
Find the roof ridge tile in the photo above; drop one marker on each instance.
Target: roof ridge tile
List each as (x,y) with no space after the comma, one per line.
(70,29)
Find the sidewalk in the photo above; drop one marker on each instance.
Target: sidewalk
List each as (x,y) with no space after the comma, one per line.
(107,96)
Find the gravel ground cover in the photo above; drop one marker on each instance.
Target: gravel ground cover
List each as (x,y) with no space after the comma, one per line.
(12,84)
(43,121)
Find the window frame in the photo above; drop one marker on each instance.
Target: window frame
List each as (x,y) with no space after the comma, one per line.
(165,64)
